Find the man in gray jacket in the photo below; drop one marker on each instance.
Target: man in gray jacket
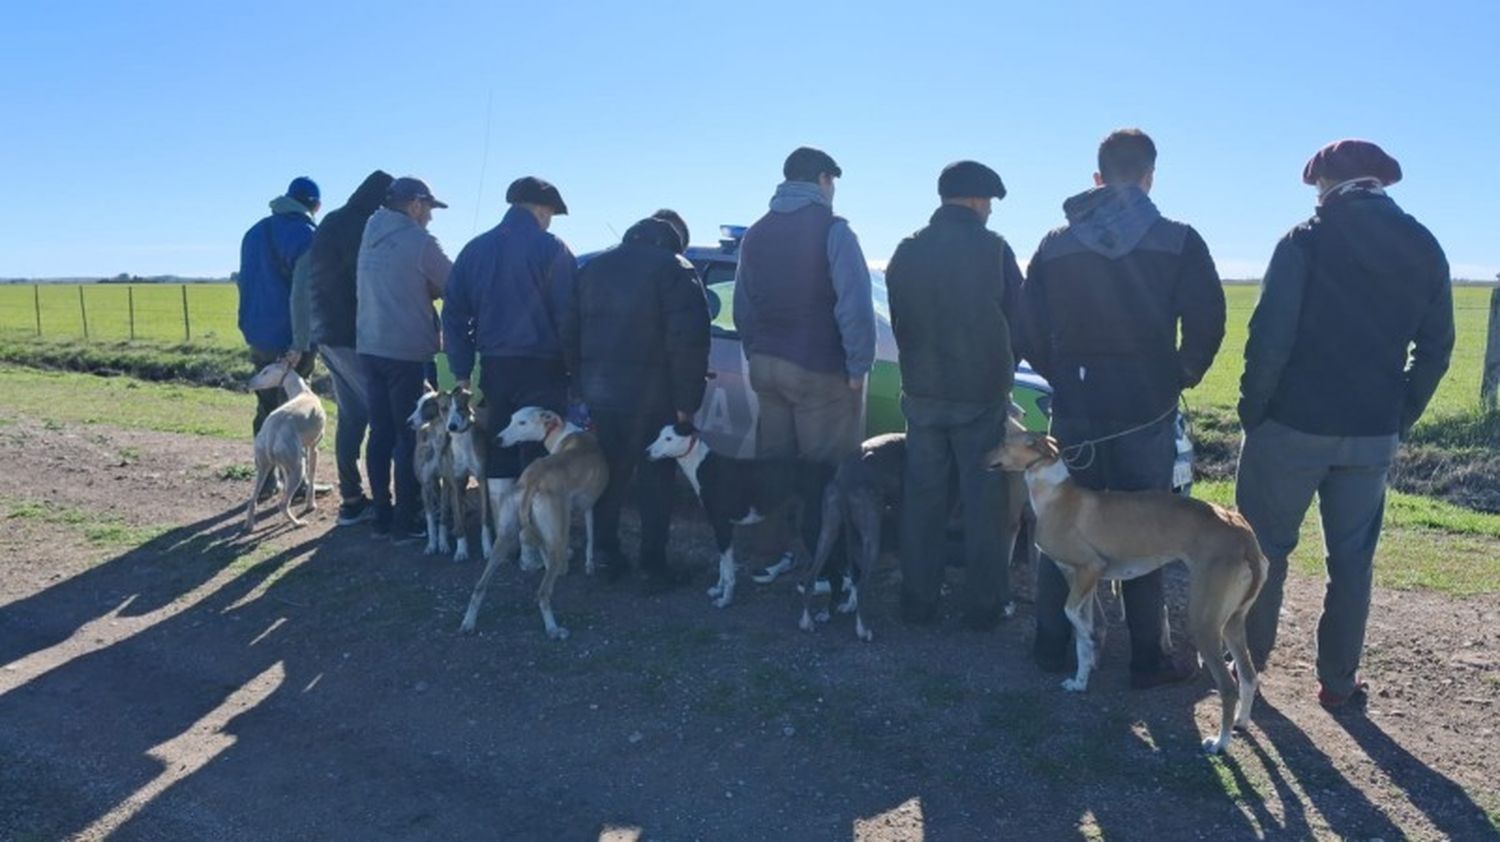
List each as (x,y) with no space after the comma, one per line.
(401,270)
(804,312)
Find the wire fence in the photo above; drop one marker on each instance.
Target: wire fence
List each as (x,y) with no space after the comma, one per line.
(203,313)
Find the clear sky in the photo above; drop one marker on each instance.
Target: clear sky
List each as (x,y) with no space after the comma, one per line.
(146,137)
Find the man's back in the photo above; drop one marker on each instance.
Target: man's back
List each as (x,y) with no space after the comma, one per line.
(1104,296)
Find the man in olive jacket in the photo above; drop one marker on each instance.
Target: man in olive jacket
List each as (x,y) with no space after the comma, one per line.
(953,287)
(636,342)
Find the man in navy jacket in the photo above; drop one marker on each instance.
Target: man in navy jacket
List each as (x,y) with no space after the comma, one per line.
(505,299)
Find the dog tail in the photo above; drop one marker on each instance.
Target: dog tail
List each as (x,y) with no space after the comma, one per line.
(529,533)
(1258,564)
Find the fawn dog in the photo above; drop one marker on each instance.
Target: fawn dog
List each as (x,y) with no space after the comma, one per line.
(1099,535)
(287,441)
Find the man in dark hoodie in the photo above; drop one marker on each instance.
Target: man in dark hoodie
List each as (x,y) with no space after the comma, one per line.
(805,314)
(511,286)
(1353,332)
(636,340)
(1104,299)
(327,307)
(954,288)
(268,254)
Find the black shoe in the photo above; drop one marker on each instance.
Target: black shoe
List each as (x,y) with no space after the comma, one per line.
(380,530)
(269,491)
(1167,674)
(415,531)
(356,511)
(663,579)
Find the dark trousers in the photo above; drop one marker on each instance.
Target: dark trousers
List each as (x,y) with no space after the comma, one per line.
(1280,471)
(393,388)
(347,373)
(624,437)
(266,400)
(1141,461)
(509,384)
(938,444)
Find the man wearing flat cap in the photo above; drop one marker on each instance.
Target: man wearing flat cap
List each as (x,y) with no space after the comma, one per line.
(1352,333)
(805,314)
(511,288)
(1105,299)
(954,287)
(400,271)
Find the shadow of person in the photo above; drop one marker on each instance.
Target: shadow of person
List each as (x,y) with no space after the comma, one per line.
(141,580)
(1443,801)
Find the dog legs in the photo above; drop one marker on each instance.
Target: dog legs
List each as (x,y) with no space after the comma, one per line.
(263,469)
(486,513)
(868,526)
(432,508)
(312,476)
(507,538)
(550,515)
(1080,611)
(457,489)
(588,541)
(833,517)
(295,474)
(1211,609)
(726,578)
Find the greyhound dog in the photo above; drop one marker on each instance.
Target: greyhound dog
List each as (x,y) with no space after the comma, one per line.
(734,491)
(288,440)
(1099,535)
(571,476)
(432,461)
(467,444)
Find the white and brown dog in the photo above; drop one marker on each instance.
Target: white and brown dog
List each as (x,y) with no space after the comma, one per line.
(432,461)
(539,511)
(467,446)
(287,441)
(1104,535)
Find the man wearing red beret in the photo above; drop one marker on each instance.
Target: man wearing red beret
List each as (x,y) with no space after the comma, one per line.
(1351,336)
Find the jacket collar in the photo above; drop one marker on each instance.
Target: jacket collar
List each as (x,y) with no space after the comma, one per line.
(519,218)
(286,204)
(956,214)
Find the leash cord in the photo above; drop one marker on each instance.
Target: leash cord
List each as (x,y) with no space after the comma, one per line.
(1072,455)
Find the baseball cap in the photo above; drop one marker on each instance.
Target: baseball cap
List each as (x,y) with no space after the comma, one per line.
(406,188)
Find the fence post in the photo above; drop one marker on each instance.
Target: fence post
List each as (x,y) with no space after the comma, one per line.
(36,298)
(130,302)
(1488,386)
(187,326)
(83,312)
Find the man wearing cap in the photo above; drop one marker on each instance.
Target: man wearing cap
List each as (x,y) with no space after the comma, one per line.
(806,319)
(954,287)
(1104,300)
(268,253)
(510,290)
(636,341)
(323,306)
(400,271)
(1352,333)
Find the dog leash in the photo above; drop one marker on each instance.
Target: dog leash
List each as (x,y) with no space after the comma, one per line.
(1071,454)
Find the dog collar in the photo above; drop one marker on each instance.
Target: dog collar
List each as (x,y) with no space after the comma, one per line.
(692,443)
(1033,463)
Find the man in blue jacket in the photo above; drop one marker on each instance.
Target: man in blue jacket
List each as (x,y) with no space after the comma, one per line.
(508,294)
(268,254)
(806,317)
(1350,338)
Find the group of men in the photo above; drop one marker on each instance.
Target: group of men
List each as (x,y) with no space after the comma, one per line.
(1120,309)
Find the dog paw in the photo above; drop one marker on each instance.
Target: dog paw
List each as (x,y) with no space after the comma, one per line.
(467,627)
(806,623)
(723,601)
(823,616)
(715,590)
(1073,685)
(1213,746)
(1008,610)
(863,632)
(558,633)
(589,568)
(461,557)
(430,549)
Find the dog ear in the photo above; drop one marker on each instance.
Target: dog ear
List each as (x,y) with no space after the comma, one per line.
(684,428)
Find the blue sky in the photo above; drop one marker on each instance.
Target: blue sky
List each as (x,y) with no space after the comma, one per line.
(146,137)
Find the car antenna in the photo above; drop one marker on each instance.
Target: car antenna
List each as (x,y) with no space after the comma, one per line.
(612,230)
(484,160)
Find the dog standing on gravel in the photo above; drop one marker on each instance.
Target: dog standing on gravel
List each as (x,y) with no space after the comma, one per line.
(1102,535)
(539,509)
(287,441)
(432,461)
(467,445)
(734,492)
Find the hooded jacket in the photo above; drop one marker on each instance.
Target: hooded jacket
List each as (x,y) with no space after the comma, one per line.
(802,288)
(511,286)
(400,271)
(332,288)
(636,334)
(1103,301)
(1354,327)
(954,287)
(268,254)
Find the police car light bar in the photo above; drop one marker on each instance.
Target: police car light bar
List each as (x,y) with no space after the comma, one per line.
(730,236)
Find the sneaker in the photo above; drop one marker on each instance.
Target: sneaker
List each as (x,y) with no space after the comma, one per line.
(1354,700)
(1167,674)
(356,511)
(770,574)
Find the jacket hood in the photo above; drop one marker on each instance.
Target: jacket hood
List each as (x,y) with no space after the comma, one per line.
(286,204)
(653,232)
(795,195)
(385,223)
(370,193)
(1111,220)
